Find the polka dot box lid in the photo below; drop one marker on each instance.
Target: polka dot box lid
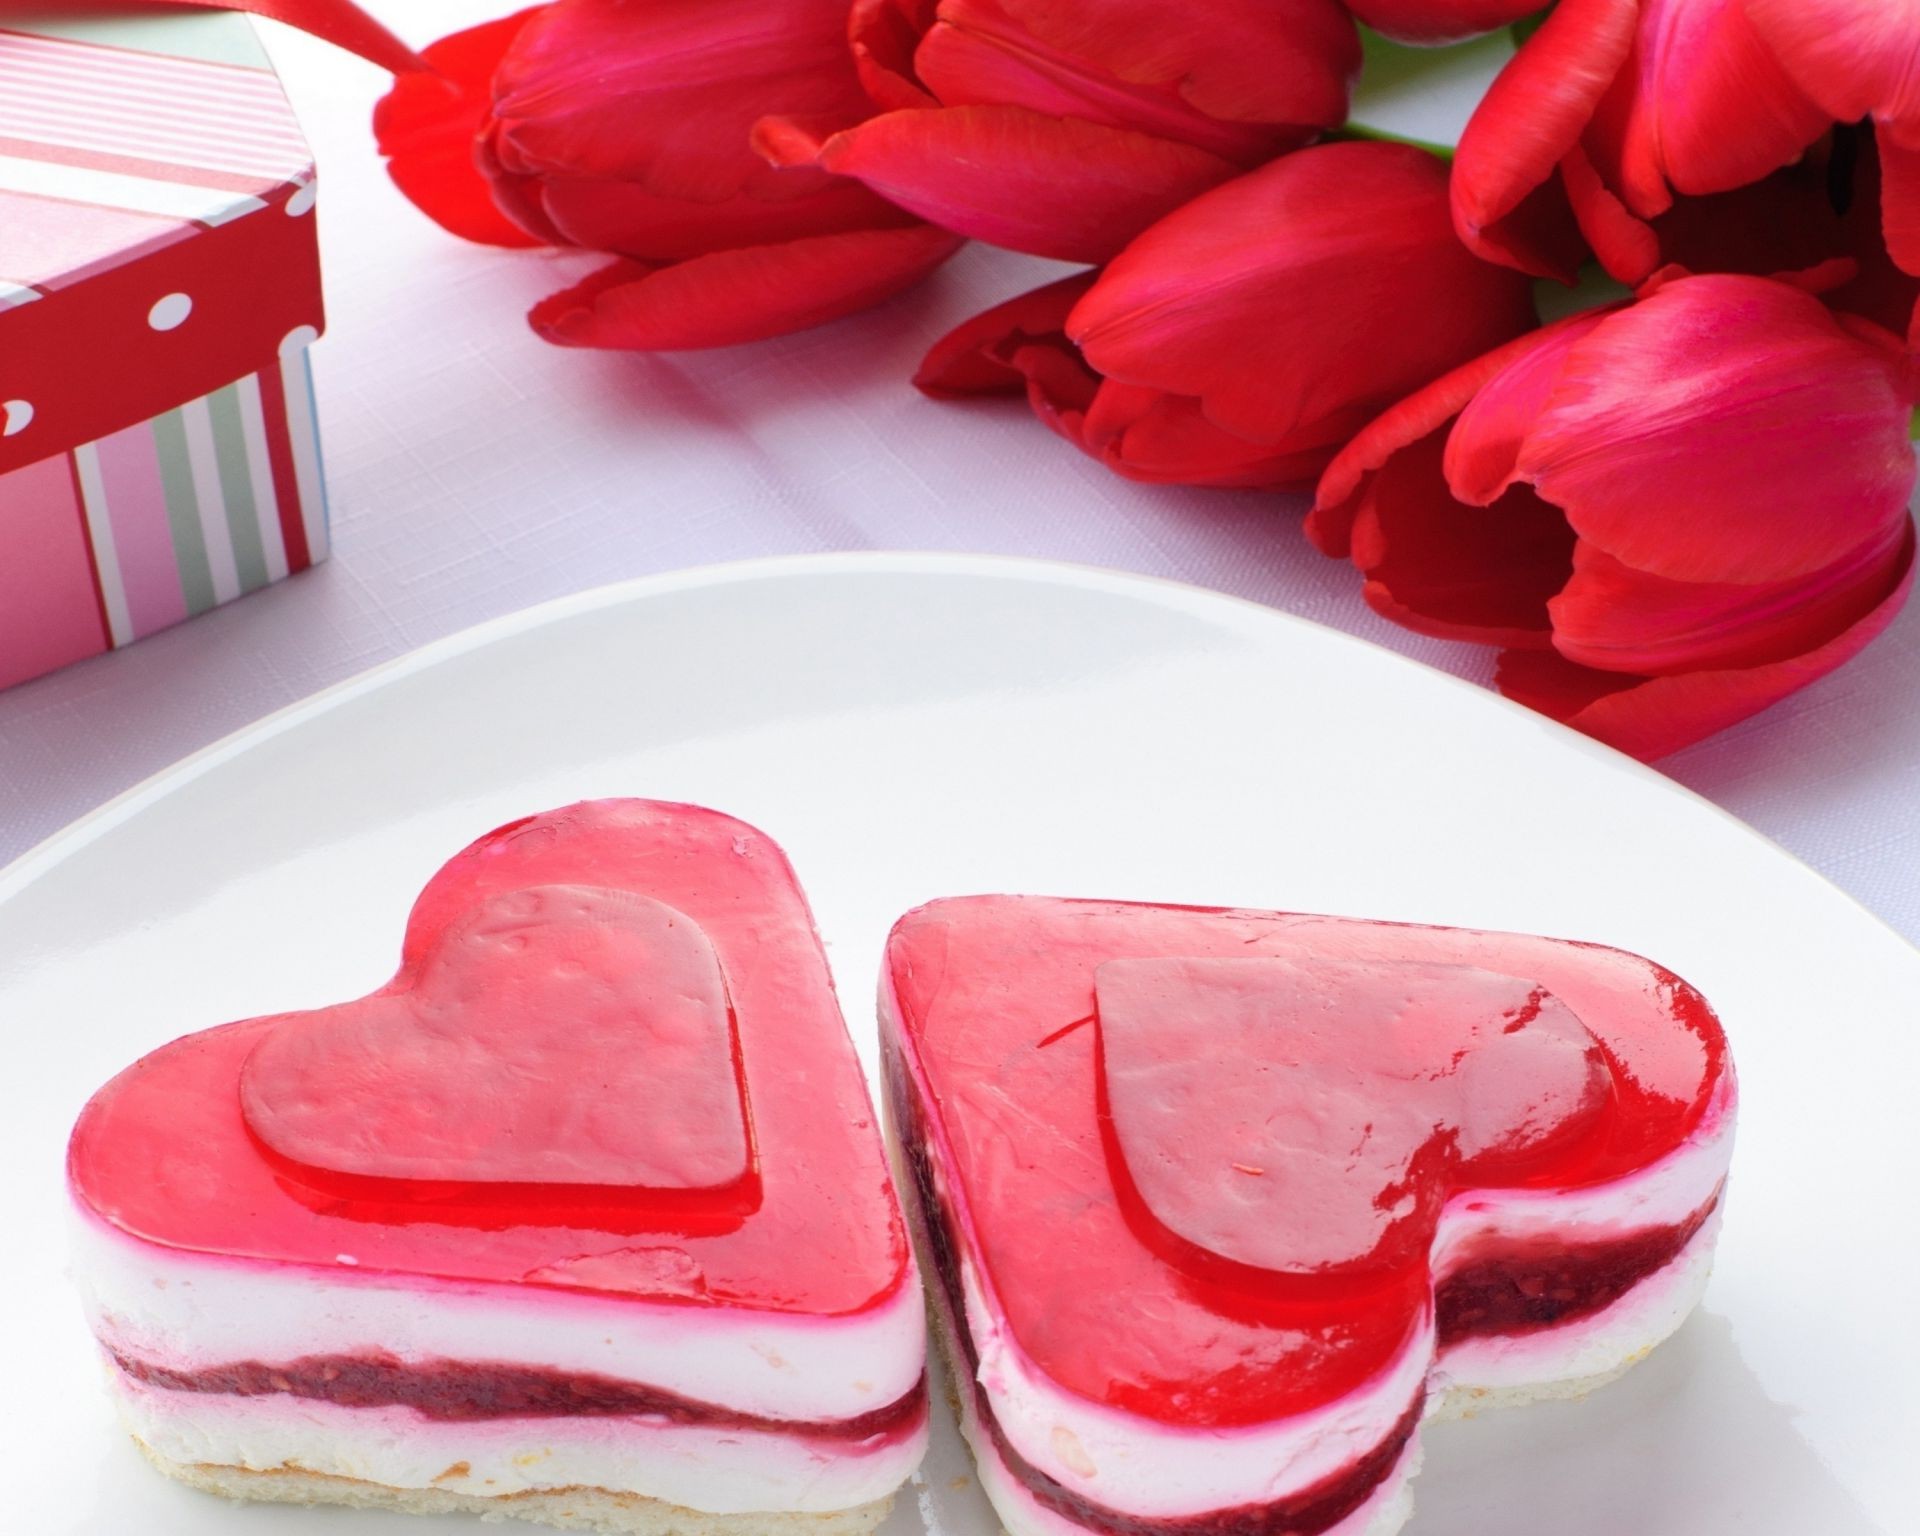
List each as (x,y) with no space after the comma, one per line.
(159,284)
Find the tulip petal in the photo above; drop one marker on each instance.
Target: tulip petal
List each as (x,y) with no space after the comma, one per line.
(1330,524)
(1900,202)
(1049,186)
(1617,619)
(1161,439)
(1462,573)
(1725,429)
(426,127)
(1651,717)
(1702,105)
(1483,449)
(1061,388)
(1532,116)
(972,358)
(1627,248)
(884,35)
(1242,79)
(1856,58)
(665,94)
(627,219)
(1427,23)
(1252,296)
(740,295)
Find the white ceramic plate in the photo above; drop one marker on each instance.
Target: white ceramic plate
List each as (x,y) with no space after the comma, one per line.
(911,727)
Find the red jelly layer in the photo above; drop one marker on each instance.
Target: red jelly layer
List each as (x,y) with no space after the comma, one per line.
(164,1152)
(453,1390)
(999,1014)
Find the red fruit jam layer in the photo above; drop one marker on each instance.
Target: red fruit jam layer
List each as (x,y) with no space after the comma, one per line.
(166,1151)
(1207,1318)
(454,1390)
(1516,1292)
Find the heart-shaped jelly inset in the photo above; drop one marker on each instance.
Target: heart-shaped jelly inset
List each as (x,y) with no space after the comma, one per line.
(559,1037)
(1309,1117)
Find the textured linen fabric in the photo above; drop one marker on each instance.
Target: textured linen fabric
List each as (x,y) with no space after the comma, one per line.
(474,470)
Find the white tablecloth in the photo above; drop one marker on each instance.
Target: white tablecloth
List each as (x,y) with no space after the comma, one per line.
(475,470)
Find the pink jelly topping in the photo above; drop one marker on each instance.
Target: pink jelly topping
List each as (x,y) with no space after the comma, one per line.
(470,1080)
(611,1061)
(1310,1118)
(1204,1191)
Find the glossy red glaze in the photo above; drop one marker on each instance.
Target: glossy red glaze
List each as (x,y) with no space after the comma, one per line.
(165,1152)
(1001,1029)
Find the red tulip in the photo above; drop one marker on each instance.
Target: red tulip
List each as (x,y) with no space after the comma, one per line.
(624,126)
(1065,127)
(1672,513)
(1428,22)
(1230,343)
(1612,108)
(1857,59)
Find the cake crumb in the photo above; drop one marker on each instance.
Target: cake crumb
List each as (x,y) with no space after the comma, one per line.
(957,1483)
(1073,1455)
(457,1470)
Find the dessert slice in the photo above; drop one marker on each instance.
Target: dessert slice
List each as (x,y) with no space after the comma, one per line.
(1221,1204)
(582,1218)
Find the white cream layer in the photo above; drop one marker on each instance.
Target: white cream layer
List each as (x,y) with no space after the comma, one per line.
(722,1471)
(1151,1470)
(185,1311)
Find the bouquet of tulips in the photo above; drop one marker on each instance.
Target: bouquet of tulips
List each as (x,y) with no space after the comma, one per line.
(1669,505)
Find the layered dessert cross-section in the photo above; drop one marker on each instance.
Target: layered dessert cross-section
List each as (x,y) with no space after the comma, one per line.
(1219,1205)
(584,1217)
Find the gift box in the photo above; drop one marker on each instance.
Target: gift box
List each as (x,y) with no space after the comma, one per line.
(159,286)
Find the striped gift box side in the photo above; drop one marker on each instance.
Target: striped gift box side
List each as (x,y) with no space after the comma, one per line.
(162,521)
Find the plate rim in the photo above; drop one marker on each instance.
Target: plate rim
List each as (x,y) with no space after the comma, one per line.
(18,875)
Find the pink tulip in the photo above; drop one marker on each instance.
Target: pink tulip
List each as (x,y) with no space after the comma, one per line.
(624,126)
(1607,112)
(1065,127)
(1243,339)
(1672,513)
(1427,22)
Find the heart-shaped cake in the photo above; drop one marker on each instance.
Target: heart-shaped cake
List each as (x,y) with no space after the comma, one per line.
(582,1217)
(1221,1204)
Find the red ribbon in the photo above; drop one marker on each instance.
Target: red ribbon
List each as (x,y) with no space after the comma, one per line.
(339,22)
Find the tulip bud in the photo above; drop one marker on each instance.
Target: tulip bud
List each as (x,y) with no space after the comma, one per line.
(625,128)
(1243,339)
(1064,127)
(1671,512)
